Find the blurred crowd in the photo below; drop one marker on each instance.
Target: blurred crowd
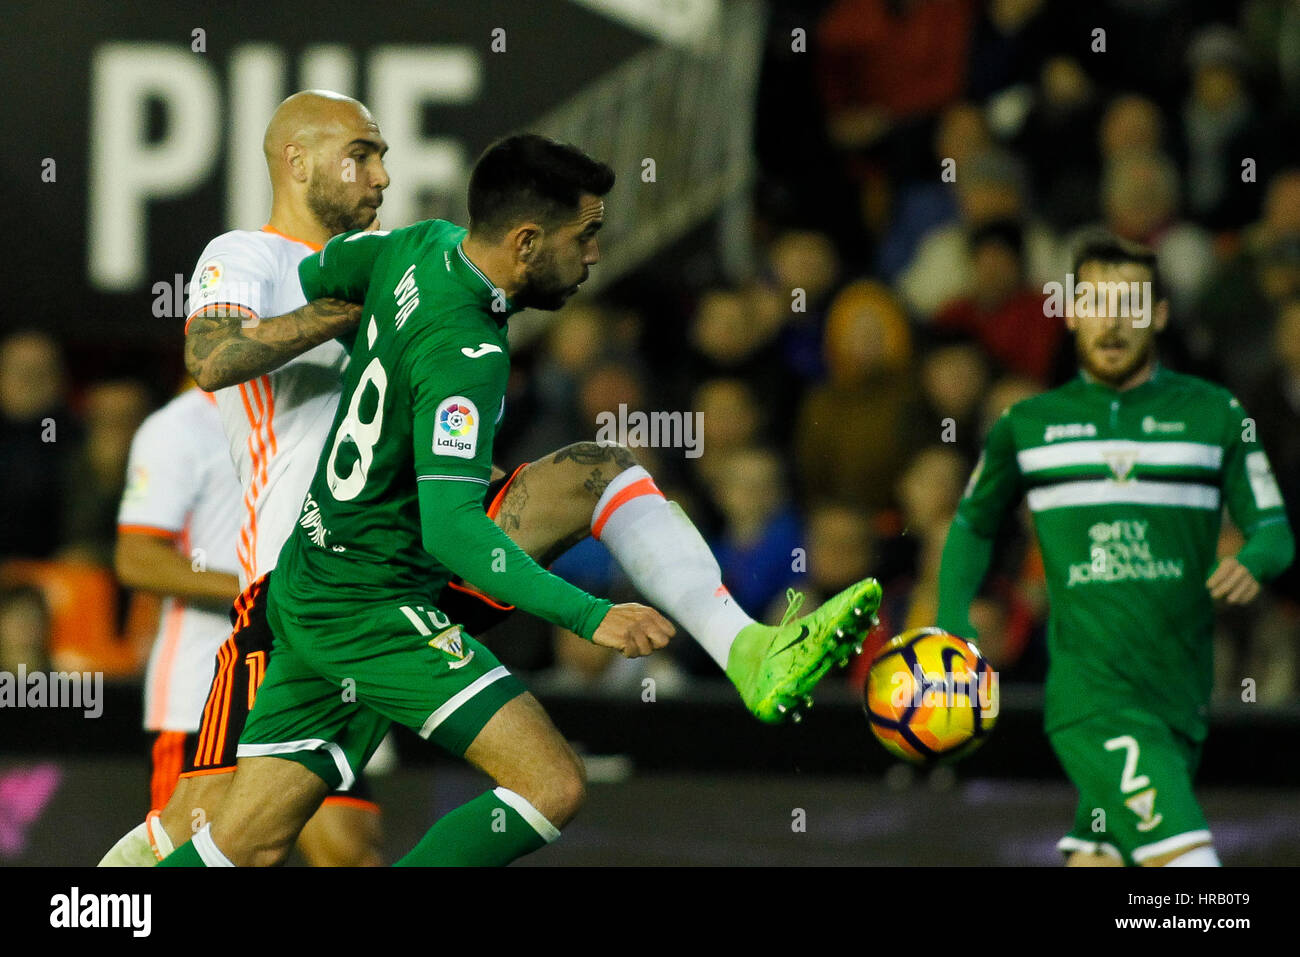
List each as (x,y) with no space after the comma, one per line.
(924,168)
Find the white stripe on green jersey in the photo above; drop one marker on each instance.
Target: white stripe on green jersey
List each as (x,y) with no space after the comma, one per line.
(1099,453)
(1132,492)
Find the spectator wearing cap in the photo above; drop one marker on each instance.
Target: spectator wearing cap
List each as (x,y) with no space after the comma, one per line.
(851,431)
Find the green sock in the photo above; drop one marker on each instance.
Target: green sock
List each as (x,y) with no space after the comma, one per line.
(187,855)
(489,831)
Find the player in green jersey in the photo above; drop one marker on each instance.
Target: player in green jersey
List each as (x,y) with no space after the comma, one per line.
(1125,470)
(396,508)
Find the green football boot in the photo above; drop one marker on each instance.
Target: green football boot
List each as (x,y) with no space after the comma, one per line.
(775,668)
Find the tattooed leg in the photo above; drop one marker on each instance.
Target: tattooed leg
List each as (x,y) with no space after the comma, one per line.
(547,508)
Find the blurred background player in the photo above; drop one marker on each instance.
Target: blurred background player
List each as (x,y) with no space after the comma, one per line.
(1125,470)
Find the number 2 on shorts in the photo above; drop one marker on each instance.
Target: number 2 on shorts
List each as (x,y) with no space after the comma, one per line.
(1129,780)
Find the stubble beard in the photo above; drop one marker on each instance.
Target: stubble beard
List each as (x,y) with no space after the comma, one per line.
(542,290)
(331,211)
(1109,375)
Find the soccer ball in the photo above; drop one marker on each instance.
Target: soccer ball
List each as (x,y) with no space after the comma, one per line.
(930,696)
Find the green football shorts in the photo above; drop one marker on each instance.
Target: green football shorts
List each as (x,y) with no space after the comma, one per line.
(335,683)
(1134,775)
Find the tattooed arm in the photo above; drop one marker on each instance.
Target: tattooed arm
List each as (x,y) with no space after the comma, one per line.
(223,347)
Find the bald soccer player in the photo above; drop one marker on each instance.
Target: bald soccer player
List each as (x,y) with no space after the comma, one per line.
(274,364)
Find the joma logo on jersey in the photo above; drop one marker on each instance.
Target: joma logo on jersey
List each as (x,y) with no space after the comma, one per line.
(1070,430)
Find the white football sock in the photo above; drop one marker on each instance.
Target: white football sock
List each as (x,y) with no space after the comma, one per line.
(668,560)
(160,841)
(131,850)
(1196,857)
(208,850)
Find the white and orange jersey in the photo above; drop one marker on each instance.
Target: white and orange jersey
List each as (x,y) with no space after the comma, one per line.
(276,424)
(180,487)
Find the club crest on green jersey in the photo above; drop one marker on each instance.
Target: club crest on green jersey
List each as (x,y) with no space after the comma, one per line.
(1121,462)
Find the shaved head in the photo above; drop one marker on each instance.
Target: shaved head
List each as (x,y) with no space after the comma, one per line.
(324,153)
(307,116)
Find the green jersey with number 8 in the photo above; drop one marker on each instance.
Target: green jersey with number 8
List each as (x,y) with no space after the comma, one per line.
(395,508)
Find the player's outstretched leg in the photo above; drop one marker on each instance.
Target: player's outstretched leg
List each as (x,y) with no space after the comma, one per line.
(588,488)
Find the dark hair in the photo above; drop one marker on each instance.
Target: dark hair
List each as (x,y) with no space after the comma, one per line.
(1003,232)
(933,338)
(14,593)
(1108,249)
(531,177)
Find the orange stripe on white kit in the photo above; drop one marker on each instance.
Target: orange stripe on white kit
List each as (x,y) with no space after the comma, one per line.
(275,424)
(609,504)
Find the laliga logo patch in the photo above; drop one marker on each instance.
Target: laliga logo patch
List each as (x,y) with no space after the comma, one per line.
(210,277)
(456,420)
(456,433)
(137,483)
